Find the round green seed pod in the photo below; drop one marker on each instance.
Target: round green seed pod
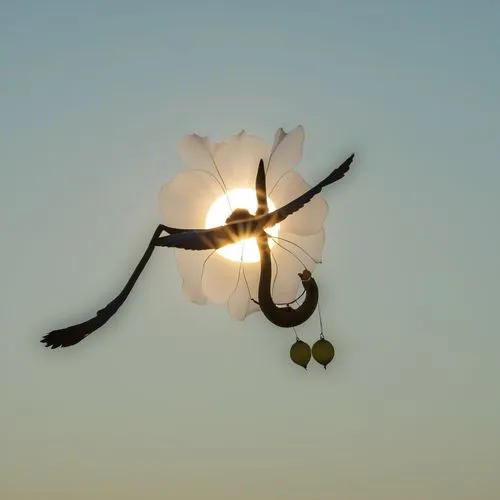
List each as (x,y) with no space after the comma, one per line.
(323,352)
(300,353)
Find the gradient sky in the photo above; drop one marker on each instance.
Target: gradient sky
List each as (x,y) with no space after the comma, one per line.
(174,400)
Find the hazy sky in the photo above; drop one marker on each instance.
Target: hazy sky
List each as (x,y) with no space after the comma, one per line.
(176,401)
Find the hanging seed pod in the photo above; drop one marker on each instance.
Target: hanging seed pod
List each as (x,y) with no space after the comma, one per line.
(300,353)
(323,352)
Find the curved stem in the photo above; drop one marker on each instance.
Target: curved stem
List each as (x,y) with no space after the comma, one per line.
(71,335)
(285,317)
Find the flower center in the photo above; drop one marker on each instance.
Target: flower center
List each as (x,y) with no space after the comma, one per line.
(244,250)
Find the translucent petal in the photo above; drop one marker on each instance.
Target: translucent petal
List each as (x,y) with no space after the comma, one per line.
(190,266)
(307,248)
(232,163)
(286,287)
(238,158)
(311,217)
(214,167)
(219,278)
(286,153)
(186,199)
(198,152)
(240,304)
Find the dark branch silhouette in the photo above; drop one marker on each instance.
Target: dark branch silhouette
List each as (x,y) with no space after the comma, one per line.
(218,237)
(195,239)
(73,334)
(286,317)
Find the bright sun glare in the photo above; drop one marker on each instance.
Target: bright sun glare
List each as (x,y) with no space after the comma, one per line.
(220,211)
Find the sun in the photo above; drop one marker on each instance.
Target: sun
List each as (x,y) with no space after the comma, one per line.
(221,209)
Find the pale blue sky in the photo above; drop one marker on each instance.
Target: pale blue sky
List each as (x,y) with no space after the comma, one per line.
(173,400)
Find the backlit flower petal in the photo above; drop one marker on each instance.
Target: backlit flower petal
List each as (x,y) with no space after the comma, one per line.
(186,199)
(219,278)
(307,248)
(232,163)
(190,266)
(311,217)
(240,304)
(214,168)
(286,153)
(238,159)
(293,253)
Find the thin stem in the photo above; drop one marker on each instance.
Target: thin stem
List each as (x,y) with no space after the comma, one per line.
(278,181)
(219,183)
(298,246)
(205,263)
(321,336)
(290,252)
(296,300)
(222,180)
(276,273)
(238,280)
(248,286)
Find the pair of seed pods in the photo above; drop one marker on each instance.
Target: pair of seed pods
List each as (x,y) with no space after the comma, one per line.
(322,351)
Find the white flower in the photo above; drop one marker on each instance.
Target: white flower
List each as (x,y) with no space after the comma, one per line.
(215,171)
